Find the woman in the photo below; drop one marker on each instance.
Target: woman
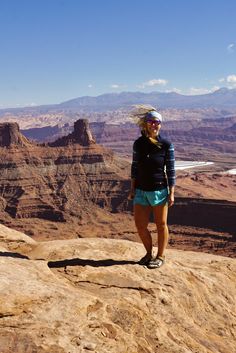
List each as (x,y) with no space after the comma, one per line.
(152,184)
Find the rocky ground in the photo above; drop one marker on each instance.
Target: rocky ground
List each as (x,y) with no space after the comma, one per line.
(77,296)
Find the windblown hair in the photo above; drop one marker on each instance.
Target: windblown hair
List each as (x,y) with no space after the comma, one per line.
(138,114)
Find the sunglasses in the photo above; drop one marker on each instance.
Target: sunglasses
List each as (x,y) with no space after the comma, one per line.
(153,122)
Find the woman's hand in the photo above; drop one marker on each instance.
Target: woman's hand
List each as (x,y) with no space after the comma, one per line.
(171,200)
(132,189)
(131,195)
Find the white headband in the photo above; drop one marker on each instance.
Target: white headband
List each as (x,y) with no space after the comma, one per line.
(153,115)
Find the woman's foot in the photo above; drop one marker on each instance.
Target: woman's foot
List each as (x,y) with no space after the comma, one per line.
(145,260)
(157,262)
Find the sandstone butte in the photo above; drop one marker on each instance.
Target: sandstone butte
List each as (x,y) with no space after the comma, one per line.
(67,181)
(90,295)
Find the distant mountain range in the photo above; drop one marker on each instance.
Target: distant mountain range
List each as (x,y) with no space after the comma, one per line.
(223,98)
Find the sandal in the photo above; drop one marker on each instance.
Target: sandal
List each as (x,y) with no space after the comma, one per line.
(156,263)
(145,260)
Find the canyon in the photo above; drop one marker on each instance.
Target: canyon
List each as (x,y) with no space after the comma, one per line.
(66,179)
(194,139)
(73,187)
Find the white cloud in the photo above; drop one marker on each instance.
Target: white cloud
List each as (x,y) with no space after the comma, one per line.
(153,82)
(29,104)
(231,47)
(176,90)
(215,88)
(231,79)
(90,86)
(196,91)
(115,86)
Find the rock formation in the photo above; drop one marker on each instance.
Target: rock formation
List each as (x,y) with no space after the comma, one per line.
(81,135)
(75,187)
(10,135)
(90,295)
(70,179)
(192,139)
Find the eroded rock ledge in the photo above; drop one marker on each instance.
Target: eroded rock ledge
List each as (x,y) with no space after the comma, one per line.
(81,135)
(91,295)
(59,181)
(10,135)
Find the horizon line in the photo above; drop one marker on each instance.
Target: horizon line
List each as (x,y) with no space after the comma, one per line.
(34,105)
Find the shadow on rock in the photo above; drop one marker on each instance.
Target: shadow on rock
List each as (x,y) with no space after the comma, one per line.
(87,262)
(13,254)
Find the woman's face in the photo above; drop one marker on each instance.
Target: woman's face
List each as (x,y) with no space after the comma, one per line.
(153,127)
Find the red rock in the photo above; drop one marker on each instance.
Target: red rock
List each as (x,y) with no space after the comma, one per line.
(70,178)
(10,135)
(90,294)
(81,135)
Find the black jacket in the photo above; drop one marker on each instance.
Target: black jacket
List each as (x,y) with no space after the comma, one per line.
(153,166)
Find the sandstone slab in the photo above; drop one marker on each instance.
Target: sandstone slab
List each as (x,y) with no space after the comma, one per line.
(84,295)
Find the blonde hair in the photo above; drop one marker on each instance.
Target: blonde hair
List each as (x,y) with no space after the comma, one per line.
(138,115)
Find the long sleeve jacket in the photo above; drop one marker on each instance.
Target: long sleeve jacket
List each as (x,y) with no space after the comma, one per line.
(153,166)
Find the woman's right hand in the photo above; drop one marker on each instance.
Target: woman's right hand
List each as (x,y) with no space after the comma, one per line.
(131,195)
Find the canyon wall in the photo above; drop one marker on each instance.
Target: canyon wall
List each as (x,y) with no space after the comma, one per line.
(55,181)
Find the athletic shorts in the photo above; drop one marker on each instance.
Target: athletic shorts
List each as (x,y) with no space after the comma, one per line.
(151,198)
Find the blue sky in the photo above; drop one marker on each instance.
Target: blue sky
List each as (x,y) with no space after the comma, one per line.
(56,50)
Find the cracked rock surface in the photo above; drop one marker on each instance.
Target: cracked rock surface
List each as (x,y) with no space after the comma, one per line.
(90,295)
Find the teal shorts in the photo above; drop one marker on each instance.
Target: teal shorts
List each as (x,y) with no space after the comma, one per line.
(151,198)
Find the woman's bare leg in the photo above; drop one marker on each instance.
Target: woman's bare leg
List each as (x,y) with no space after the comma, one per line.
(160,217)
(141,217)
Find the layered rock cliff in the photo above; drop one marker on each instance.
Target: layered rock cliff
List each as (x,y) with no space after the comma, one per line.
(90,295)
(70,178)
(74,187)
(10,135)
(81,135)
